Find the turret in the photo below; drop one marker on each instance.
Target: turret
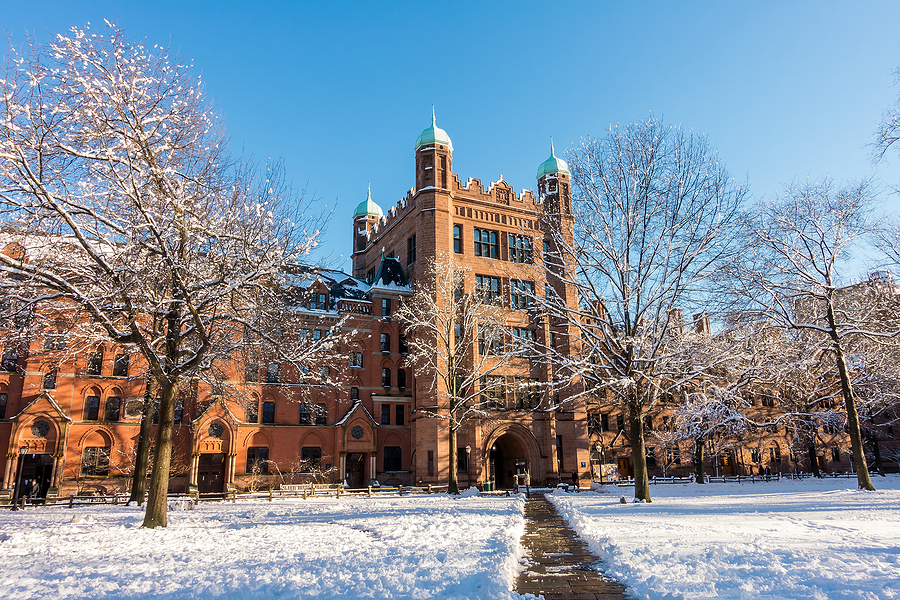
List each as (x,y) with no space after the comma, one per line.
(553,184)
(365,219)
(434,157)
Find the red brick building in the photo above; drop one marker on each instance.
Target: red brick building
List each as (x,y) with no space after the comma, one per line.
(76,409)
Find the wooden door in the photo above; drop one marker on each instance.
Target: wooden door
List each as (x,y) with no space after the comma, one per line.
(355,470)
(211,474)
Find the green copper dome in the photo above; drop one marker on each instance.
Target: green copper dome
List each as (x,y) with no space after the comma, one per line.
(367,208)
(433,135)
(552,164)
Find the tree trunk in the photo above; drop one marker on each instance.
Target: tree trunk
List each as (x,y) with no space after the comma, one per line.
(453,484)
(159,480)
(699,455)
(639,454)
(139,478)
(856,443)
(813,460)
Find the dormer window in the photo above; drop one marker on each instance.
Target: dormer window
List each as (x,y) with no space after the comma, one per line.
(317,302)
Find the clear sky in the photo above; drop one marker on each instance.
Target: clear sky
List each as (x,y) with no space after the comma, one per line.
(341,90)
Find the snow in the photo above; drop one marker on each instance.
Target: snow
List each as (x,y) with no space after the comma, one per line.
(816,539)
(419,547)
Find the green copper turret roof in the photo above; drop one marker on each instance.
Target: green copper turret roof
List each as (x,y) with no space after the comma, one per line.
(367,208)
(433,135)
(552,164)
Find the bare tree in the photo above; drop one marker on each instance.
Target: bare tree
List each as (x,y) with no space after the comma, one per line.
(790,274)
(888,132)
(458,339)
(115,179)
(653,208)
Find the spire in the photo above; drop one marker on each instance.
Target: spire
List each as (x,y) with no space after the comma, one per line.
(434,135)
(433,120)
(369,196)
(552,153)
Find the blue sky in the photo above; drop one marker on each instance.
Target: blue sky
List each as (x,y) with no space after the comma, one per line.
(341,90)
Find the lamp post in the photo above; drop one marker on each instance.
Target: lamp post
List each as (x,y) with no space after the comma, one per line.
(468,466)
(17,493)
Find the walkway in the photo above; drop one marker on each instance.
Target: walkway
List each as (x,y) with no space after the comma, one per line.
(559,564)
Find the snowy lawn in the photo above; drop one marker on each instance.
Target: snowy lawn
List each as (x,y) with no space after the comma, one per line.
(412,547)
(811,539)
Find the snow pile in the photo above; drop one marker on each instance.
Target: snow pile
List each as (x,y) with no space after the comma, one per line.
(780,540)
(468,493)
(412,547)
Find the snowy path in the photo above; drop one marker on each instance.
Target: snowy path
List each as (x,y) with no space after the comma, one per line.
(417,547)
(781,540)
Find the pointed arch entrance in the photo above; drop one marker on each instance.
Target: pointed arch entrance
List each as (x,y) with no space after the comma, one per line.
(511,451)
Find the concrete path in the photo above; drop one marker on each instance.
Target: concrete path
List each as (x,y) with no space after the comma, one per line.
(559,564)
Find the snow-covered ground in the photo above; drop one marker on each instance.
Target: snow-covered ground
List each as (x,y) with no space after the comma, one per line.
(811,539)
(412,547)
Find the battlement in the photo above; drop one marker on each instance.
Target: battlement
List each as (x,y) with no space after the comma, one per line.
(499,192)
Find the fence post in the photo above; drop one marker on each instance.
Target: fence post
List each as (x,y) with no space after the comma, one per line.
(429,488)
(370,491)
(339,492)
(304,493)
(270,494)
(71,500)
(233,496)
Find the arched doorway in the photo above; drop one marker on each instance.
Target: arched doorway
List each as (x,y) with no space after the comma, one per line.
(509,458)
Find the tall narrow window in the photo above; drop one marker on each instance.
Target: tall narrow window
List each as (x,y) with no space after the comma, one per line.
(354,393)
(95,363)
(401,379)
(92,408)
(253,411)
(272,373)
(120,365)
(179,411)
(385,342)
(385,414)
(113,405)
(385,307)
(321,414)
(251,372)
(385,377)
(311,458)
(399,415)
(356,360)
(49,382)
(457,239)
(9,362)
(431,462)
(268,415)
(4,398)
(559,454)
(305,417)
(404,344)
(392,458)
(411,250)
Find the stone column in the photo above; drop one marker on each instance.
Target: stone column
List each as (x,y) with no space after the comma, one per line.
(195,465)
(343,470)
(8,472)
(372,466)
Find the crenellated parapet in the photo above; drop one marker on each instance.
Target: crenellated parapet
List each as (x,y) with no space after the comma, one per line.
(498,192)
(395,213)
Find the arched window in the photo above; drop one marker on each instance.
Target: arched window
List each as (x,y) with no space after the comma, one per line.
(268,412)
(305,417)
(91,408)
(95,363)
